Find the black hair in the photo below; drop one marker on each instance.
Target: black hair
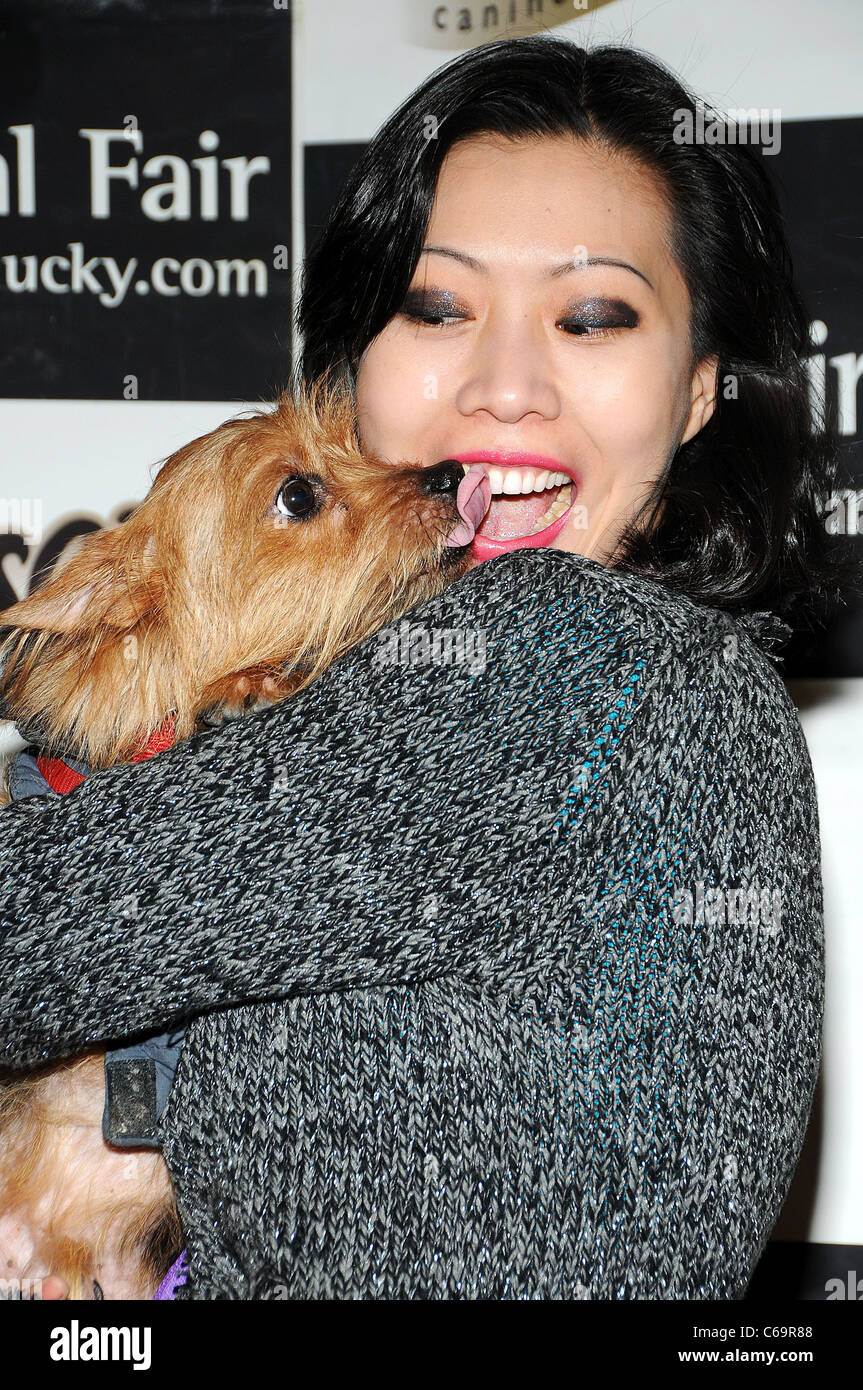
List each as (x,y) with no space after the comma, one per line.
(736,520)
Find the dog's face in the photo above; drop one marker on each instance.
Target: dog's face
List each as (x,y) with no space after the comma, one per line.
(261,553)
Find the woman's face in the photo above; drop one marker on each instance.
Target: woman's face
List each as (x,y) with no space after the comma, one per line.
(512,340)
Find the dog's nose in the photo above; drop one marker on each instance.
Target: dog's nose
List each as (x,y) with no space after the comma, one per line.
(443,479)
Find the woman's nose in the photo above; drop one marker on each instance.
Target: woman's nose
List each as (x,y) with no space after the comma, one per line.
(512,374)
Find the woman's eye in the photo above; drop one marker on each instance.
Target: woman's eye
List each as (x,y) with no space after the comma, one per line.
(587,330)
(430,309)
(432,320)
(297,499)
(600,317)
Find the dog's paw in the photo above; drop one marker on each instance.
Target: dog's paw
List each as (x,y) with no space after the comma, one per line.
(243,693)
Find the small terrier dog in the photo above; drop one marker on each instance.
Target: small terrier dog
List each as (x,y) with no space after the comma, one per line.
(262,553)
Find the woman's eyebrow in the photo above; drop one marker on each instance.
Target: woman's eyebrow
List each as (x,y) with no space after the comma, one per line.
(553,272)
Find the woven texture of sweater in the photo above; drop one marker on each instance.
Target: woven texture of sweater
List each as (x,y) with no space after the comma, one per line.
(459,1032)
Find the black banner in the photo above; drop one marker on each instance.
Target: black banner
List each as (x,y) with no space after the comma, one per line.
(145,201)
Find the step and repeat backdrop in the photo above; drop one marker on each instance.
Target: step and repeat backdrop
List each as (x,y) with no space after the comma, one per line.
(164,165)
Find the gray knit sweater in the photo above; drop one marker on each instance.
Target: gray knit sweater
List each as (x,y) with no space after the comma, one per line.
(506,974)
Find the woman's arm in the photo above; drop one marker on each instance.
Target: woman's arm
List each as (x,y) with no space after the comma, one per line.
(701,1047)
(357,833)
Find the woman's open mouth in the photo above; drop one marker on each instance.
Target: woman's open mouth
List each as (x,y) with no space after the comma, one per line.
(530,502)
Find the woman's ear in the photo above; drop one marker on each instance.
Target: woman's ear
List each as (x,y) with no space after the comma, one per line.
(113,581)
(702,400)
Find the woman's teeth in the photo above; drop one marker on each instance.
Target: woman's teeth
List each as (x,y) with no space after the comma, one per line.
(511,481)
(557,508)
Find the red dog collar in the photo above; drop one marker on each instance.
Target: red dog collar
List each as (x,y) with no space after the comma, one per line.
(63,778)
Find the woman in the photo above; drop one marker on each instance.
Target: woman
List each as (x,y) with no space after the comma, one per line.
(515,989)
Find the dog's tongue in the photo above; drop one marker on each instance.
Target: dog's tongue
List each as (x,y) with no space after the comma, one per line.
(473,500)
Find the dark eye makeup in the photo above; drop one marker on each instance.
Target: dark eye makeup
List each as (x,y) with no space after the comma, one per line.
(587,318)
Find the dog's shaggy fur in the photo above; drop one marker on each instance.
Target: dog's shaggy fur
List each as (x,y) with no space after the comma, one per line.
(262,552)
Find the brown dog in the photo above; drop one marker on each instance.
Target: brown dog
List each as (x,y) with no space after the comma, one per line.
(261,554)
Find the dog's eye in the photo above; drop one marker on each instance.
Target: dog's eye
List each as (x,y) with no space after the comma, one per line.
(297,499)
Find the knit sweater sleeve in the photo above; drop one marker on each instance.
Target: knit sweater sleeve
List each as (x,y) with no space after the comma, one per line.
(397,821)
(698,1000)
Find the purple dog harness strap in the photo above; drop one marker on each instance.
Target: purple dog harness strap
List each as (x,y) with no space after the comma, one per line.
(177,1275)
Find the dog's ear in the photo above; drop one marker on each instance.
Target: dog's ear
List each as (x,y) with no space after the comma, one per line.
(113,581)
